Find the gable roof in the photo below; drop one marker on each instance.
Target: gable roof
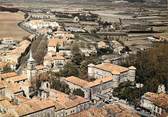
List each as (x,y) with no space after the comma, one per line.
(33,105)
(66,100)
(85,84)
(160,100)
(76,81)
(55,42)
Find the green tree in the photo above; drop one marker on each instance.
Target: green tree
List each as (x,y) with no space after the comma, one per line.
(152,70)
(78,92)
(7,69)
(60,86)
(84,66)
(76,54)
(70,69)
(128,92)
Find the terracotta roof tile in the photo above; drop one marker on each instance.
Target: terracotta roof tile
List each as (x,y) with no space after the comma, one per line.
(33,105)
(86,84)
(158,99)
(55,42)
(3,64)
(99,81)
(107,110)
(76,81)
(66,100)
(114,69)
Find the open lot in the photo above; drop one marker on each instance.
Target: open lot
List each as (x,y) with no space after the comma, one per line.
(9,27)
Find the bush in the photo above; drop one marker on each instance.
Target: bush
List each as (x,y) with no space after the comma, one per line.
(78,92)
(60,86)
(7,69)
(70,69)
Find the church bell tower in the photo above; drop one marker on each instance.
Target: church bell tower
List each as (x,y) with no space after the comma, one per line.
(31,70)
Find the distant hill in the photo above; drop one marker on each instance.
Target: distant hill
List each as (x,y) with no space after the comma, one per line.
(55,1)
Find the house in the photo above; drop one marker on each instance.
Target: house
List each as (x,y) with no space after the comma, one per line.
(8,41)
(117,47)
(2,89)
(54,61)
(41,16)
(7,75)
(63,35)
(12,89)
(110,110)
(77,83)
(88,51)
(156,103)
(2,66)
(118,73)
(5,106)
(74,29)
(45,31)
(13,56)
(13,77)
(35,25)
(16,79)
(6,66)
(66,51)
(36,107)
(40,69)
(55,44)
(102,45)
(72,104)
(163,37)
(58,62)
(99,88)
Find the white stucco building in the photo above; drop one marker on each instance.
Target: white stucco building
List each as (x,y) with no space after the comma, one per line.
(39,24)
(54,44)
(156,103)
(118,73)
(92,90)
(54,61)
(70,104)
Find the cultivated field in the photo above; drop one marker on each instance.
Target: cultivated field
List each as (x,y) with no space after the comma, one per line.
(9,27)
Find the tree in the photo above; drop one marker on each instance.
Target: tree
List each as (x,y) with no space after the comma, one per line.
(76,54)
(38,79)
(84,66)
(78,92)
(152,70)
(7,69)
(151,64)
(70,69)
(60,86)
(128,92)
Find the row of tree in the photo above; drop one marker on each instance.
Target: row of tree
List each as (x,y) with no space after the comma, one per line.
(152,70)
(79,64)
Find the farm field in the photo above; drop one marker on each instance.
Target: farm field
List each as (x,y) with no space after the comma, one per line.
(9,27)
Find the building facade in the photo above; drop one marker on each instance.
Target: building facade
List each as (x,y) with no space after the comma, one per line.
(118,73)
(156,103)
